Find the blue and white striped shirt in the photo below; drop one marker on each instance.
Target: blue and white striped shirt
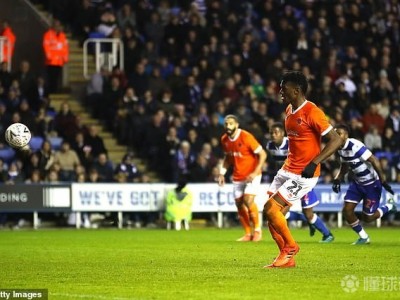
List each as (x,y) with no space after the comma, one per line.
(356,155)
(278,153)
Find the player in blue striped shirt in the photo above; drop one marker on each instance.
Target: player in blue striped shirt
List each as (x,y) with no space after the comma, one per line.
(278,149)
(365,185)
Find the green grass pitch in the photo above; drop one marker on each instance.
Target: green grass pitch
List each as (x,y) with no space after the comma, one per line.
(196,264)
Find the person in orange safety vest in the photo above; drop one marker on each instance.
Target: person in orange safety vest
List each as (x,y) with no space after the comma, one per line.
(8,47)
(56,49)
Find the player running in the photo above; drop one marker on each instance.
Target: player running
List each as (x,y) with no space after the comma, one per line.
(278,149)
(305,125)
(366,184)
(244,153)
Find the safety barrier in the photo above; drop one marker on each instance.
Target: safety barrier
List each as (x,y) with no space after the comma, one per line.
(107,53)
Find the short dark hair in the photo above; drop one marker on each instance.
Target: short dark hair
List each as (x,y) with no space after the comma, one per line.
(297,78)
(278,125)
(343,127)
(232,117)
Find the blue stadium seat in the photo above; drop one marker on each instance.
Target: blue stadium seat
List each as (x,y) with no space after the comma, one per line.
(7,154)
(36,143)
(55,142)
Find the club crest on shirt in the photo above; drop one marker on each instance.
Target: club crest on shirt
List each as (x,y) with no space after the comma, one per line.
(292,132)
(299,120)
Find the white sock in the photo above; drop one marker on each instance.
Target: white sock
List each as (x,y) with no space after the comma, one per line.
(314,219)
(363,234)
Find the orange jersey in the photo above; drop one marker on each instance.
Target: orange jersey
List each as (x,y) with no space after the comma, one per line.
(304,127)
(241,152)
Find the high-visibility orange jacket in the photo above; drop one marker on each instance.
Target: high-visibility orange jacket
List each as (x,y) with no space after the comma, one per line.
(8,47)
(55,47)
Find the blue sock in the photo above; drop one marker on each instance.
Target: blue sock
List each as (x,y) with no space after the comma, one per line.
(320,225)
(296,216)
(356,226)
(383,210)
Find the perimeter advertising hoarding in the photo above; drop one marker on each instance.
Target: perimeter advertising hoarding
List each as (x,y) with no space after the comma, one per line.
(32,197)
(206,197)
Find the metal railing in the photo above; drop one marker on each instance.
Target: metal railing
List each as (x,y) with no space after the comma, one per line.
(107,53)
(3,42)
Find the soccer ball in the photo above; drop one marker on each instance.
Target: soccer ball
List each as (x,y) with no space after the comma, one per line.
(18,135)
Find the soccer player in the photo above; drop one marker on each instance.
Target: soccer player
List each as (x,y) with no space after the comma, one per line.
(366,184)
(305,125)
(278,149)
(246,156)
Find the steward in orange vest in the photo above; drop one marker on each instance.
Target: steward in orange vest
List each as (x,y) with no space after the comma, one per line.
(8,47)
(55,45)
(56,50)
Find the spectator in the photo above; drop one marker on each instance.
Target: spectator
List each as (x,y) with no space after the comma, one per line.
(25,77)
(65,122)
(84,20)
(27,116)
(128,169)
(126,17)
(67,159)
(108,23)
(190,94)
(38,95)
(183,159)
(83,150)
(14,174)
(372,117)
(44,124)
(94,141)
(46,156)
(372,139)
(104,168)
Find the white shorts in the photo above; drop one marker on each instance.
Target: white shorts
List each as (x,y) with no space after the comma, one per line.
(249,188)
(291,187)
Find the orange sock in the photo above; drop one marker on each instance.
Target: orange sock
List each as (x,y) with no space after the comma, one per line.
(244,219)
(276,236)
(253,209)
(278,221)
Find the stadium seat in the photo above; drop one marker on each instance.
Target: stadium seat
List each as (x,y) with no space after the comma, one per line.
(7,154)
(36,143)
(55,142)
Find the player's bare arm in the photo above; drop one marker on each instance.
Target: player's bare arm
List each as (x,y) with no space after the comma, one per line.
(382,177)
(222,171)
(344,168)
(262,156)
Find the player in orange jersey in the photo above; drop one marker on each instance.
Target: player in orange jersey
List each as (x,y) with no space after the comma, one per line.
(246,156)
(305,125)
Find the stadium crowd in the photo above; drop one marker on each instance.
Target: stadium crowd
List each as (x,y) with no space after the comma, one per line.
(189,63)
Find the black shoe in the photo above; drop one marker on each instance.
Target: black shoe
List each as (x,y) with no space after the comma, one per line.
(312,229)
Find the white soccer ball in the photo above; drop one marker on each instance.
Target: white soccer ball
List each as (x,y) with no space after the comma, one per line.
(18,135)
